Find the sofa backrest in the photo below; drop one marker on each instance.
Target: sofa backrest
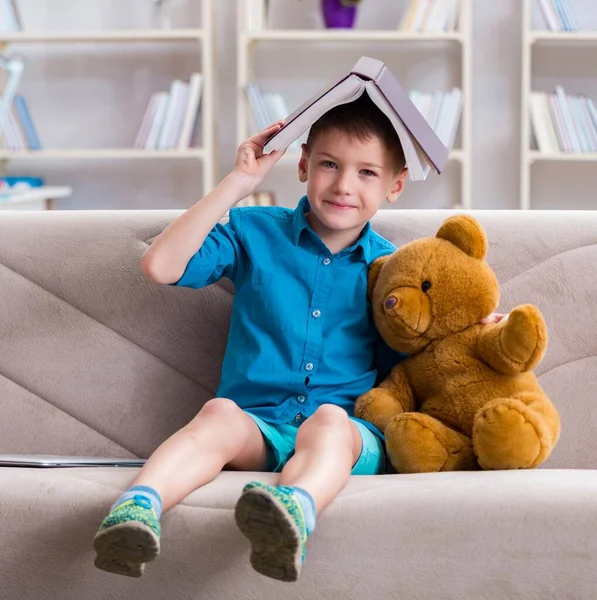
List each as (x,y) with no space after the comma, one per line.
(97,360)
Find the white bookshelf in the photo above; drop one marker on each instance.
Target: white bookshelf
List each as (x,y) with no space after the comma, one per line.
(252,29)
(532,39)
(204,39)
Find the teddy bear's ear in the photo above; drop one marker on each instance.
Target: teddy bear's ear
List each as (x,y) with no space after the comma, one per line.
(374,271)
(465,233)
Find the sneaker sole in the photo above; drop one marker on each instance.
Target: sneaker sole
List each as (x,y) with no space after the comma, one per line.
(125,548)
(275,538)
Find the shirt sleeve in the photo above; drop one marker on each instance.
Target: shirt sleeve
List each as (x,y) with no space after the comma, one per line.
(221,255)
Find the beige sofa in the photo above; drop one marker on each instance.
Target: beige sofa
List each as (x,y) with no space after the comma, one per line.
(96,360)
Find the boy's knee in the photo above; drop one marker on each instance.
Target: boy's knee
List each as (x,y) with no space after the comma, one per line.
(220,410)
(330,415)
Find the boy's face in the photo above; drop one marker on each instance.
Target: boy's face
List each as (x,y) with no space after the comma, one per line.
(348,179)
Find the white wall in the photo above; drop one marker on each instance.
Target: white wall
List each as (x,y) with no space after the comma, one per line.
(84,96)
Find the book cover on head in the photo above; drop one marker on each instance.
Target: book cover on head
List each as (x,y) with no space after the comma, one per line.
(423,149)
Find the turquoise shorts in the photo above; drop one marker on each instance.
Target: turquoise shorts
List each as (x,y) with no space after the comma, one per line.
(280,439)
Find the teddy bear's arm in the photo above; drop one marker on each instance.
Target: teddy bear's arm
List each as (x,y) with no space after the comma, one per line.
(515,344)
(381,404)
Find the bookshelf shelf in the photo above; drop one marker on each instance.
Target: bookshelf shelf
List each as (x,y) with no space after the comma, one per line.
(535,156)
(204,39)
(297,35)
(252,29)
(102,154)
(123,35)
(557,37)
(529,156)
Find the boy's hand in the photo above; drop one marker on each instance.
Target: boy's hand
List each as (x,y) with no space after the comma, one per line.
(493,318)
(251,164)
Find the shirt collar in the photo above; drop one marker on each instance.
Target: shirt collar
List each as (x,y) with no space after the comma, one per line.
(300,224)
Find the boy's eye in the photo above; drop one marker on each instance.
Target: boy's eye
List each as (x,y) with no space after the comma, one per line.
(328,164)
(369,173)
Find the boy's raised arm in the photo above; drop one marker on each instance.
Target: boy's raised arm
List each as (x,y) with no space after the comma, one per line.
(166,259)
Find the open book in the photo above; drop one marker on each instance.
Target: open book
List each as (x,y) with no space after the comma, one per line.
(422,147)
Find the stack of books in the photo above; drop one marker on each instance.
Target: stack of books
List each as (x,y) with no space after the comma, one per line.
(267,108)
(558,15)
(171,118)
(442,110)
(430,16)
(19,131)
(10,17)
(563,122)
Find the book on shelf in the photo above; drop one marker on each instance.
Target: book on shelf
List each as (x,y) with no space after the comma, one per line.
(10,16)
(171,118)
(20,132)
(423,149)
(558,15)
(442,110)
(563,122)
(267,108)
(430,16)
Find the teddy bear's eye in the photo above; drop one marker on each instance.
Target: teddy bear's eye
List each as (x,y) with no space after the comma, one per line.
(425,286)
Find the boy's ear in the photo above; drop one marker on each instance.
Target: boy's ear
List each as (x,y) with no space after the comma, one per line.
(397,186)
(302,166)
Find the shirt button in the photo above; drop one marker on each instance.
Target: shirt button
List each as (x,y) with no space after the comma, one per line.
(309,367)
(326,261)
(316,314)
(301,399)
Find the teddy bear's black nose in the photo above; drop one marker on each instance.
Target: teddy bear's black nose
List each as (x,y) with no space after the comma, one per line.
(391,302)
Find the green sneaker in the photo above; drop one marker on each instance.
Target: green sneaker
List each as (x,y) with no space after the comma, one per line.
(273,521)
(128,538)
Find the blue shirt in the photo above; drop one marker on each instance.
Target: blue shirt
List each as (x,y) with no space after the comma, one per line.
(301,331)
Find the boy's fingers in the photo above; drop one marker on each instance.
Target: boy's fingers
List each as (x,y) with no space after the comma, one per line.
(265,133)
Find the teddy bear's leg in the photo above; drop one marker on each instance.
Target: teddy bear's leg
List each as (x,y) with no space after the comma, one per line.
(515,433)
(418,443)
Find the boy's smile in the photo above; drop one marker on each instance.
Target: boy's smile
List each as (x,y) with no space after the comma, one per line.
(348,179)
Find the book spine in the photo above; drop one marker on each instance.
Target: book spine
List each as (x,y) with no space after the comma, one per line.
(556,117)
(146,122)
(16,14)
(561,16)
(17,127)
(570,16)
(567,118)
(419,19)
(550,15)
(192,112)
(167,133)
(158,120)
(27,122)
(592,125)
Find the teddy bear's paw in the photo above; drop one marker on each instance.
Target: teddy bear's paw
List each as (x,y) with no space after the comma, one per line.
(524,338)
(507,434)
(378,406)
(418,443)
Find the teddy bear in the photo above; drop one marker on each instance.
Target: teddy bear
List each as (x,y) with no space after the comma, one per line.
(465,398)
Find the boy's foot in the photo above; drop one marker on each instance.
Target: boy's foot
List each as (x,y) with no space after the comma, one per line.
(128,537)
(272,519)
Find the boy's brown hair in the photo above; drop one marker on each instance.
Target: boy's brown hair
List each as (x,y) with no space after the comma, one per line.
(361,119)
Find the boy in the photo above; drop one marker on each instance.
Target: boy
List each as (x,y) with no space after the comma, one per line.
(300,349)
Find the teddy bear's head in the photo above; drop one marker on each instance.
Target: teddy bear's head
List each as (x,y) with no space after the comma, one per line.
(433,287)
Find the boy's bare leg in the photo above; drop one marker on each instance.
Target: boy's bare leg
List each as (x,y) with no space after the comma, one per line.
(220,435)
(327,446)
(278,520)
